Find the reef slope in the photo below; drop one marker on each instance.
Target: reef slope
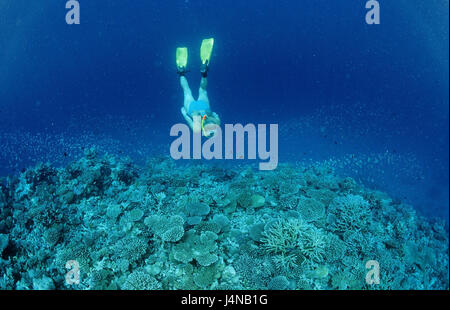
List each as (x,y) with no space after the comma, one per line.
(166,226)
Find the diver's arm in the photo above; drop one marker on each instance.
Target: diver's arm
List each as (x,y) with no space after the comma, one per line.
(186,117)
(215,115)
(197,124)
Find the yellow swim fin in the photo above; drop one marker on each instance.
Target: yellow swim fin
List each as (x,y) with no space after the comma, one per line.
(182,57)
(206,50)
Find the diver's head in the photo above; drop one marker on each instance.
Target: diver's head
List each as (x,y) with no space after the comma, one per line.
(210,124)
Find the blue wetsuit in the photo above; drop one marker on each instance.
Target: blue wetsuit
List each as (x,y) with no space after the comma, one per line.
(199,105)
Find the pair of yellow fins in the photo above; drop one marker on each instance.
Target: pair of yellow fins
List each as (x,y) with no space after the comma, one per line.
(205,53)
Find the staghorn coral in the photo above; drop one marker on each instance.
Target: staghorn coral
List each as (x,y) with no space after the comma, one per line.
(282,237)
(349,213)
(294,236)
(286,262)
(312,244)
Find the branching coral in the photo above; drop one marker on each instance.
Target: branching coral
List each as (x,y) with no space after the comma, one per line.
(294,236)
(285,262)
(350,212)
(281,237)
(131,249)
(312,244)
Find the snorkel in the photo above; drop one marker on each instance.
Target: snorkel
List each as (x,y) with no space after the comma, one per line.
(203,124)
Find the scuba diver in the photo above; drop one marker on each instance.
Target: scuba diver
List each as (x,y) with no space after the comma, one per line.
(197,113)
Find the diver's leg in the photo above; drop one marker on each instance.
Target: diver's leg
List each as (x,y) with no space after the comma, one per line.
(188,98)
(202,93)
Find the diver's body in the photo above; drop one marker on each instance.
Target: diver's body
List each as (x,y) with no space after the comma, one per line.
(197,113)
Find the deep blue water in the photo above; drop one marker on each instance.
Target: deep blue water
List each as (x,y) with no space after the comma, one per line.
(374,99)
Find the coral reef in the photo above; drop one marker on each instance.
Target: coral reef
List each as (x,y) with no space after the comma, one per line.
(165,226)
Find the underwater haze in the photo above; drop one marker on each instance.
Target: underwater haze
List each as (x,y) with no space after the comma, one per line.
(86,174)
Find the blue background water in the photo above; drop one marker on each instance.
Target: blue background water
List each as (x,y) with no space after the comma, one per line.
(371,99)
